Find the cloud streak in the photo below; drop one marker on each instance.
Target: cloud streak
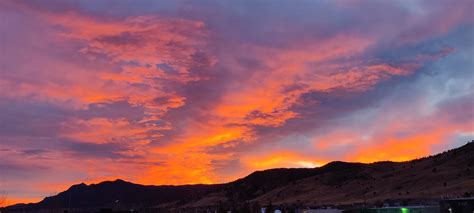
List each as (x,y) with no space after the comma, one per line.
(176,93)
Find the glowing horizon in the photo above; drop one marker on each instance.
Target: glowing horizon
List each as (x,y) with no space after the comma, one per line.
(180,92)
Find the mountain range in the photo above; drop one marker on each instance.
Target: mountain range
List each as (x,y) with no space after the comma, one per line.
(447,174)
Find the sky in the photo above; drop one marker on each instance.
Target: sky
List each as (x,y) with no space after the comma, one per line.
(183,92)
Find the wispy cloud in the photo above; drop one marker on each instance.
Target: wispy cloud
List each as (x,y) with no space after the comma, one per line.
(179,92)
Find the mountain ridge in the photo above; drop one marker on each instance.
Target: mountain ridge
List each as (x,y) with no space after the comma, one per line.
(337,182)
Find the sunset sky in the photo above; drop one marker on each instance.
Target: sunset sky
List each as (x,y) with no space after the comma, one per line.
(179,92)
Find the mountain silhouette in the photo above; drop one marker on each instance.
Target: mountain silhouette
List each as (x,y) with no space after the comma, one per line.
(446,174)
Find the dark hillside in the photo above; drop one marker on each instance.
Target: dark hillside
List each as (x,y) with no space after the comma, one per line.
(446,174)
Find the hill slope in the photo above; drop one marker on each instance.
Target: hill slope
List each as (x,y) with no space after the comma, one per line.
(448,173)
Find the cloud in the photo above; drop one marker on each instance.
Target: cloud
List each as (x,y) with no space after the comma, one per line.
(174,92)
(14,170)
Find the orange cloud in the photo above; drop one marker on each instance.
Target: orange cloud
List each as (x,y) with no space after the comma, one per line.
(402,148)
(280,159)
(160,65)
(264,93)
(102,130)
